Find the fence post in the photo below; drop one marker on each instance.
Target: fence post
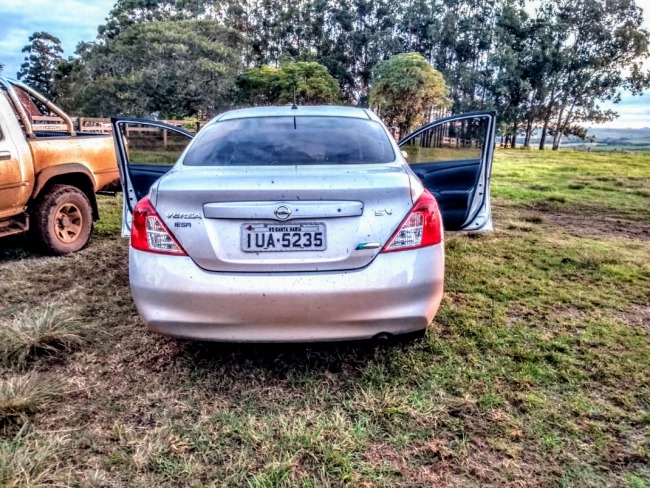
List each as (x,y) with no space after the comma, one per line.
(165,138)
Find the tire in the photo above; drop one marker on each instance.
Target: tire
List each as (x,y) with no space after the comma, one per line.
(62,220)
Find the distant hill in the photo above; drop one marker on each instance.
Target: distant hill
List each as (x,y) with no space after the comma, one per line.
(605,139)
(621,137)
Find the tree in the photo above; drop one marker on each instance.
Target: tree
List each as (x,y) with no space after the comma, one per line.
(605,40)
(510,85)
(275,86)
(169,68)
(548,68)
(406,90)
(43,54)
(258,86)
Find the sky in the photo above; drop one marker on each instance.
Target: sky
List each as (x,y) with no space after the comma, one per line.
(634,111)
(73,21)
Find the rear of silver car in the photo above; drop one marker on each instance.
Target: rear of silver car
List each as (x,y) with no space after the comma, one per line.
(295,245)
(395,294)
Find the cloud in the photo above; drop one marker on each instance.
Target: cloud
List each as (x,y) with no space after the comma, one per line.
(633,111)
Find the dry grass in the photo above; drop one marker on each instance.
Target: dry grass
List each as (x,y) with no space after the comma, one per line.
(40,332)
(23,395)
(535,372)
(28,462)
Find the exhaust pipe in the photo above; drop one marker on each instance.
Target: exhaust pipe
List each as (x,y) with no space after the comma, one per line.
(382,337)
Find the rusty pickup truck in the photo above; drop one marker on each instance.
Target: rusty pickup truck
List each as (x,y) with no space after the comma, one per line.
(49,172)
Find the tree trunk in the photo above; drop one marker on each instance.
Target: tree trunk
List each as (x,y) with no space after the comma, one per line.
(557,134)
(542,137)
(514,134)
(547,117)
(529,133)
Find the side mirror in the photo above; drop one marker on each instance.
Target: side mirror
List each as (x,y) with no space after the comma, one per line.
(405,155)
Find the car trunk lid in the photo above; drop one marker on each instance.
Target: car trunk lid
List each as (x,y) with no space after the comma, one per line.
(235,219)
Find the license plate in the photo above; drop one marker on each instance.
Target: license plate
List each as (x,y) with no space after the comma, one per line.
(310,236)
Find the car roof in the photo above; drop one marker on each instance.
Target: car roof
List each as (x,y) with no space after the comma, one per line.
(302,110)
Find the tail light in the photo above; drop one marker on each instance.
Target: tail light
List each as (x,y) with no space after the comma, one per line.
(420,228)
(149,233)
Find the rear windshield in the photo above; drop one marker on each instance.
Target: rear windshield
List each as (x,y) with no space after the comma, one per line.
(299,140)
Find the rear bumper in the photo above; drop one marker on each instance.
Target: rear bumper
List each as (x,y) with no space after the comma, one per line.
(397,293)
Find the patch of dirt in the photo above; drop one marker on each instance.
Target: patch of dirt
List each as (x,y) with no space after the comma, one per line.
(590,223)
(638,316)
(581,222)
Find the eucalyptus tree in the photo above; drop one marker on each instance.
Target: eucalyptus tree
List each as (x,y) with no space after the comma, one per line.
(604,52)
(43,53)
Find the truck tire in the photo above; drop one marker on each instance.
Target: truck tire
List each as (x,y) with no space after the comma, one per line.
(62,219)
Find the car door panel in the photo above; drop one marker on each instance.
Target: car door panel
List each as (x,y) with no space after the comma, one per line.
(143,176)
(446,183)
(453,159)
(145,158)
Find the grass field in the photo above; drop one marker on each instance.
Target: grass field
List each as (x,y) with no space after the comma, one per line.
(535,372)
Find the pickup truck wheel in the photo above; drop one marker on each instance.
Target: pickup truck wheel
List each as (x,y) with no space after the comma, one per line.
(62,219)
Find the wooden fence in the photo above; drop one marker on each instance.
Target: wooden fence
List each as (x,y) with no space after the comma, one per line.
(94,125)
(102,125)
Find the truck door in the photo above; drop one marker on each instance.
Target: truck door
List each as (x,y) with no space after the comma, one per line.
(12,186)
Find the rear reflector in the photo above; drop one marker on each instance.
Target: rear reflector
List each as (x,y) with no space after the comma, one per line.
(420,228)
(149,233)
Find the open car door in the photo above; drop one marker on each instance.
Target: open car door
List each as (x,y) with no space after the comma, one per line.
(146,150)
(453,158)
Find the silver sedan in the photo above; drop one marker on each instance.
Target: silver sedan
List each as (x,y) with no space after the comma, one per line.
(297,223)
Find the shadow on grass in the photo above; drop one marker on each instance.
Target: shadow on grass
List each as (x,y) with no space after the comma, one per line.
(279,360)
(17,247)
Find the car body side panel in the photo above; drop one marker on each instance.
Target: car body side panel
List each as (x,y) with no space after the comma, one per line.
(96,153)
(397,293)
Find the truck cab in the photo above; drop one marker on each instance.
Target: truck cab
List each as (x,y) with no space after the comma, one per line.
(50,171)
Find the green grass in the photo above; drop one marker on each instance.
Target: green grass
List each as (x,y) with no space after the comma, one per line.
(616,184)
(168,157)
(536,370)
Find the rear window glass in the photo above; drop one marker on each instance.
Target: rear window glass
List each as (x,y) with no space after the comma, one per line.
(300,140)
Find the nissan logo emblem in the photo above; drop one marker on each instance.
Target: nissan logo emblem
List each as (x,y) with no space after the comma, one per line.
(283,212)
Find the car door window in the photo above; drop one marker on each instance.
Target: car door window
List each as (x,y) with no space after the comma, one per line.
(152,145)
(453,159)
(147,150)
(457,140)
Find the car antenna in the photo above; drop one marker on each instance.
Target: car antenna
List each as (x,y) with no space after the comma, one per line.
(294,106)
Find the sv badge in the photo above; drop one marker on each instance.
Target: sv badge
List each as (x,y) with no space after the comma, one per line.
(384,211)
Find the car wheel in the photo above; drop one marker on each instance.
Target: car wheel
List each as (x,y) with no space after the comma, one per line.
(62,220)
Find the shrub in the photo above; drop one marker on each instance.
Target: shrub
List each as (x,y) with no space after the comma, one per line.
(24,395)
(40,332)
